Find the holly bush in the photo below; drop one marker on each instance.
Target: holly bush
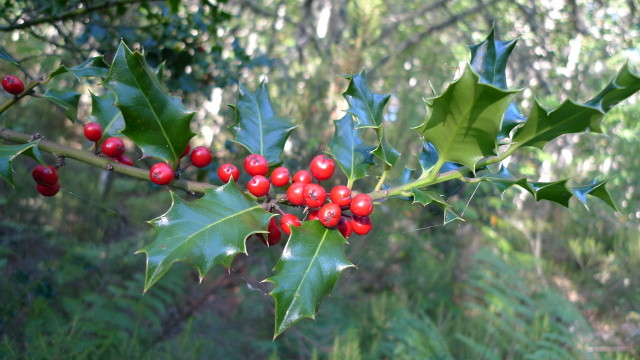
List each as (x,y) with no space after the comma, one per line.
(471,128)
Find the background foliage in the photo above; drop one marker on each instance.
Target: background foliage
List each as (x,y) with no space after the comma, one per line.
(518,280)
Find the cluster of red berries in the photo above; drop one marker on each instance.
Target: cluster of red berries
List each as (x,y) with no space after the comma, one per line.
(12,85)
(303,192)
(112,147)
(163,174)
(46,178)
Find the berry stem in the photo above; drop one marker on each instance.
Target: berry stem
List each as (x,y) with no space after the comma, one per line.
(383,177)
(90,158)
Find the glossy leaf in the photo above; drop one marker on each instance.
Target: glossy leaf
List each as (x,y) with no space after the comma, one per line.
(489,59)
(544,125)
(463,122)
(93,67)
(367,109)
(9,152)
(503,180)
(257,127)
(365,106)
(428,157)
(426,197)
(311,263)
(204,232)
(155,121)
(352,154)
(66,100)
(106,114)
(595,188)
(555,191)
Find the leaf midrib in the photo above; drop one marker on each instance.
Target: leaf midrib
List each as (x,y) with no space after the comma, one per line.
(307,271)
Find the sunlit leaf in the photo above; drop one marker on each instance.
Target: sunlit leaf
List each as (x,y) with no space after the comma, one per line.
(311,263)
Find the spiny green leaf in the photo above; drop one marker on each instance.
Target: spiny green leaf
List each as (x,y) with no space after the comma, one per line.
(489,59)
(67,100)
(384,151)
(596,189)
(311,263)
(351,153)
(555,191)
(365,106)
(463,123)
(4,55)
(204,232)
(367,109)
(503,180)
(10,152)
(624,84)
(155,121)
(543,126)
(428,157)
(426,197)
(257,127)
(93,67)
(106,114)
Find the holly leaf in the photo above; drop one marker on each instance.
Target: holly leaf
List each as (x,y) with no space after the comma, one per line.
(93,67)
(555,191)
(155,121)
(503,180)
(9,152)
(106,114)
(311,263)
(257,127)
(596,189)
(426,197)
(489,59)
(365,106)
(428,157)
(66,100)
(543,126)
(5,55)
(204,232)
(350,151)
(463,122)
(384,151)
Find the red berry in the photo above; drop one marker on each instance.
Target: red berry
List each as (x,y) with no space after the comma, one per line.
(302,176)
(294,193)
(48,189)
(313,215)
(341,195)
(113,147)
(329,214)
(186,151)
(12,84)
(255,164)
(161,174)
(201,156)
(322,167)
(287,221)
(361,205)
(124,159)
(314,195)
(275,234)
(345,227)
(361,225)
(280,176)
(228,171)
(93,131)
(258,186)
(45,175)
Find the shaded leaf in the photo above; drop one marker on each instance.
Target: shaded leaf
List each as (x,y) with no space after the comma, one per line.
(10,152)
(543,125)
(503,180)
(257,127)
(426,197)
(428,157)
(155,121)
(66,100)
(384,151)
(311,263)
(352,154)
(204,232)
(104,112)
(463,123)
(489,59)
(596,189)
(365,106)
(4,55)
(93,67)
(555,191)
